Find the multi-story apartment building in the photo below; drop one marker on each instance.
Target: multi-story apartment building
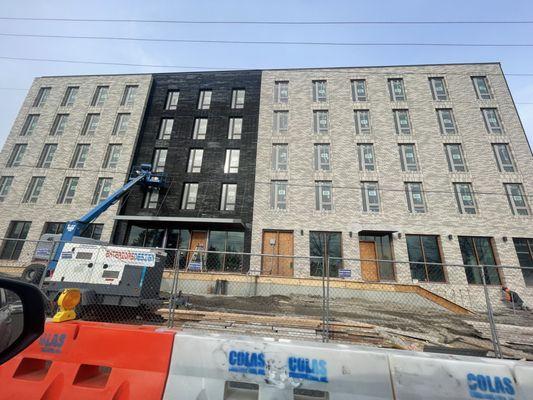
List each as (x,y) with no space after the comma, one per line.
(421,163)
(201,130)
(70,146)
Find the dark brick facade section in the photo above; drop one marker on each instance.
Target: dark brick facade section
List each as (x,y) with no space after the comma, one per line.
(212,174)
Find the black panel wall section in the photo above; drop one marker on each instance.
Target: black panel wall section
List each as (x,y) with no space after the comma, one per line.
(168,224)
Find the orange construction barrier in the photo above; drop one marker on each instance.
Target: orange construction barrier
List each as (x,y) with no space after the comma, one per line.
(90,360)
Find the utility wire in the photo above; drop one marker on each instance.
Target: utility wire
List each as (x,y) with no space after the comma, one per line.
(267,42)
(336,70)
(288,183)
(256,22)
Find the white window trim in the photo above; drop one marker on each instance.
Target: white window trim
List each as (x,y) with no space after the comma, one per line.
(319,164)
(452,164)
(277,165)
(231,162)
(406,131)
(443,129)
(445,96)
(403,158)
(463,208)
(320,187)
(194,164)
(370,207)
(411,205)
(225,204)
(515,209)
(275,202)
(366,164)
(186,202)
(359,129)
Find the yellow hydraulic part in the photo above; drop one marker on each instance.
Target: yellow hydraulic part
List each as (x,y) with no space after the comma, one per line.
(67,302)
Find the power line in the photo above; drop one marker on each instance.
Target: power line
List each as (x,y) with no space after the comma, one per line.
(337,70)
(107,63)
(265,42)
(289,184)
(271,22)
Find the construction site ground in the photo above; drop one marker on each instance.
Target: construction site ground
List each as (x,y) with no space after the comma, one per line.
(367,323)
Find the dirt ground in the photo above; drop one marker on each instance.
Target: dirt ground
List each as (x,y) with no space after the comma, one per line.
(515,330)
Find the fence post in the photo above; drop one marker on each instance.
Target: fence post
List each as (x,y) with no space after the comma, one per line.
(50,257)
(490,315)
(173,290)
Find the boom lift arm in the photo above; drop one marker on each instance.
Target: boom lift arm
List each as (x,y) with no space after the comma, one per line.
(141,175)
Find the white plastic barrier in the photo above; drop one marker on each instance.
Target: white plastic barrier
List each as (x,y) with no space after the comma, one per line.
(214,366)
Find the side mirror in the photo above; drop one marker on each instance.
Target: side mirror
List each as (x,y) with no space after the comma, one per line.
(22,316)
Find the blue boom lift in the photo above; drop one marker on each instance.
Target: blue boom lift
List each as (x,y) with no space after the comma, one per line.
(142,175)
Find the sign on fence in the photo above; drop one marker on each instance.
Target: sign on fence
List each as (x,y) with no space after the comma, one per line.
(345,273)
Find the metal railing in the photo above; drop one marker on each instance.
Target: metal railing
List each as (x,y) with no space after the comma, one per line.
(448,307)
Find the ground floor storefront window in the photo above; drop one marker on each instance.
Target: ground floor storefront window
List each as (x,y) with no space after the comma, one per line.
(325,244)
(524,251)
(479,251)
(225,242)
(424,255)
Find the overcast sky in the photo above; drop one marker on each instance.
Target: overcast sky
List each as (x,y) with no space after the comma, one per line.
(19,74)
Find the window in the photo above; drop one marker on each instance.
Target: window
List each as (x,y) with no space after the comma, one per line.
(281,92)
(172,100)
(325,244)
(408,158)
(320,122)
(231,164)
(121,124)
(60,123)
(229,197)
(70,96)
(93,231)
(195,160)
(481,85)
(517,199)
(280,157)
(235,128)
(320,91)
(33,190)
(145,237)
(204,99)
(188,199)
(225,243)
(68,190)
(370,196)
(100,96)
(465,198)
(159,160)
(322,157)
(129,95)
(237,98)
(438,88)
(91,124)
(492,120)
(524,251)
(446,121)
(359,90)
(200,128)
(281,121)
(102,190)
(151,198)
(396,89)
(478,251)
(11,248)
(80,156)
(112,156)
(47,155)
(29,125)
(425,258)
(504,159)
(278,195)
(362,122)
(165,129)
(323,196)
(42,95)
(367,160)
(455,158)
(5,186)
(402,122)
(17,154)
(415,197)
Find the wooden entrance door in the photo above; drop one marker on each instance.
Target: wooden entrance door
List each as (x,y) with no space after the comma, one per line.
(198,240)
(369,269)
(278,243)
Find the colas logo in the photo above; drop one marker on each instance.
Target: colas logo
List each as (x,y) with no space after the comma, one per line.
(490,387)
(309,369)
(52,343)
(246,362)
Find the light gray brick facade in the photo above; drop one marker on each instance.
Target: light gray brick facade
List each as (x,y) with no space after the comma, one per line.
(493,218)
(46,208)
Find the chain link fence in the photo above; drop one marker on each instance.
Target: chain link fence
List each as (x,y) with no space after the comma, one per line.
(345,300)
